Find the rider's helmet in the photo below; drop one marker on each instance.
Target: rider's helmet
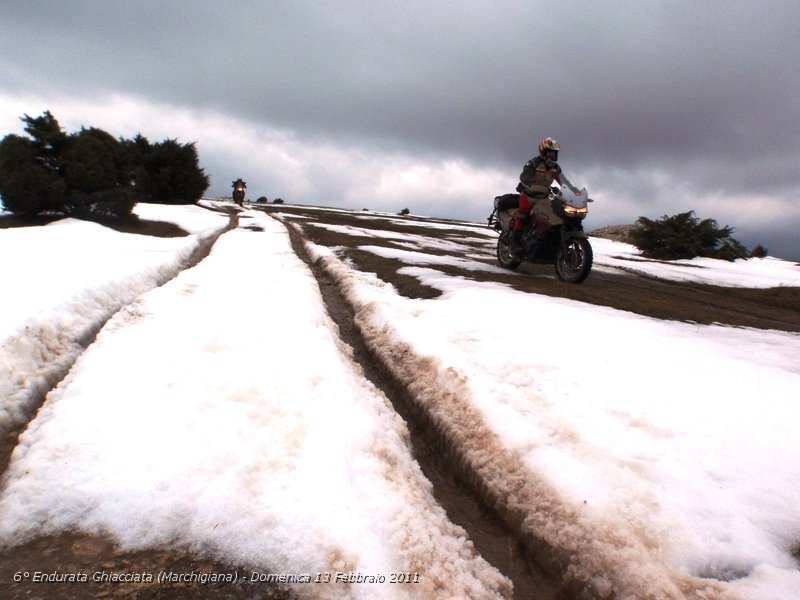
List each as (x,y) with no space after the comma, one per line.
(548,149)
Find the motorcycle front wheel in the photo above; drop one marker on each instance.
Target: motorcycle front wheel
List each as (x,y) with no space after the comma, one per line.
(574,260)
(505,257)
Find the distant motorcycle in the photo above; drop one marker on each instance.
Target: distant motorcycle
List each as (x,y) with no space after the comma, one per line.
(554,233)
(238,195)
(239,188)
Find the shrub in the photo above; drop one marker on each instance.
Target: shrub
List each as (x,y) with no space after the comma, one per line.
(167,172)
(28,185)
(759,252)
(91,174)
(405,211)
(278,201)
(684,236)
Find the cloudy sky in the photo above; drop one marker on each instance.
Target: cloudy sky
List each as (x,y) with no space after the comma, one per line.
(660,107)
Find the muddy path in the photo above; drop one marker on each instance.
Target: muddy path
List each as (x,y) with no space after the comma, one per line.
(770,308)
(493,539)
(513,553)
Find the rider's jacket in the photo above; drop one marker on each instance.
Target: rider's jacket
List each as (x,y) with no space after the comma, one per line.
(537,176)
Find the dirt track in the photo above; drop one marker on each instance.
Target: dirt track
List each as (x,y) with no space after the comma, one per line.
(773,308)
(777,308)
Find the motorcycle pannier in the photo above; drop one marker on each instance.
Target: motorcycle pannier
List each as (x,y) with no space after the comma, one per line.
(507,202)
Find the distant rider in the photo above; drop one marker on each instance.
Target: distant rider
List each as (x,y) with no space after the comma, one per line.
(239,182)
(537,176)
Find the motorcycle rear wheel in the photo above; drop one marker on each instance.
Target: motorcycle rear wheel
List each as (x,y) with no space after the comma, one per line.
(574,260)
(505,257)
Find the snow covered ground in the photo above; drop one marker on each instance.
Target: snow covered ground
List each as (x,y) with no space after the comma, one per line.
(221,412)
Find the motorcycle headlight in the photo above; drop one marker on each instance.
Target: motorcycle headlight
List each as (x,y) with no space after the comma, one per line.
(573,211)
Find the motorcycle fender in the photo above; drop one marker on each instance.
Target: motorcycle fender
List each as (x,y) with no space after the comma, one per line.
(574,234)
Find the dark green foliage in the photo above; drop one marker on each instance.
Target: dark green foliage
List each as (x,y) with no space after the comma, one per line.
(91,174)
(48,139)
(278,201)
(167,172)
(93,160)
(684,236)
(28,185)
(759,252)
(405,211)
(261,200)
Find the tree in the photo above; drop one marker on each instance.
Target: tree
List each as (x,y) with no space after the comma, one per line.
(48,139)
(89,173)
(167,172)
(27,184)
(405,211)
(684,236)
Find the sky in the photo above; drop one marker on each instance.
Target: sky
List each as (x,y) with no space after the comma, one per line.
(660,107)
(690,484)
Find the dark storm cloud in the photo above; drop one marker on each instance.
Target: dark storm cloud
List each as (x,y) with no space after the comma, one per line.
(704,93)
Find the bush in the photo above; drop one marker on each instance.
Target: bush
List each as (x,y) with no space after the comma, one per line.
(91,174)
(759,252)
(27,185)
(167,172)
(405,211)
(278,201)
(684,236)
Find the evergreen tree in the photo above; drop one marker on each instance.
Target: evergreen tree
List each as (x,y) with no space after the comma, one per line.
(28,183)
(90,173)
(168,172)
(48,139)
(684,236)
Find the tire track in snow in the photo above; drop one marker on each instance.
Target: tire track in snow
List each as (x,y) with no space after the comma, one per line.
(52,350)
(490,535)
(586,559)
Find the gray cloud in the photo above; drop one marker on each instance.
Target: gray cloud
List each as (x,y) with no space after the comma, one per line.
(703,94)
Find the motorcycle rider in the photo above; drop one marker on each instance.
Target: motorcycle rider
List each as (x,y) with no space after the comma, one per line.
(239,186)
(537,176)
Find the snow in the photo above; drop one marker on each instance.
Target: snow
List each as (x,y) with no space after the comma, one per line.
(662,457)
(751,273)
(68,278)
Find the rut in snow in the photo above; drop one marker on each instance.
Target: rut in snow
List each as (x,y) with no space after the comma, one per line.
(51,348)
(497,544)
(582,558)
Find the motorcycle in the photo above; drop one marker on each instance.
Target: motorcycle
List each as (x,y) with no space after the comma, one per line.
(554,233)
(238,194)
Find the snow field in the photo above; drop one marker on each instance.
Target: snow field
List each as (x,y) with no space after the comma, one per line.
(67,279)
(222,413)
(659,459)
